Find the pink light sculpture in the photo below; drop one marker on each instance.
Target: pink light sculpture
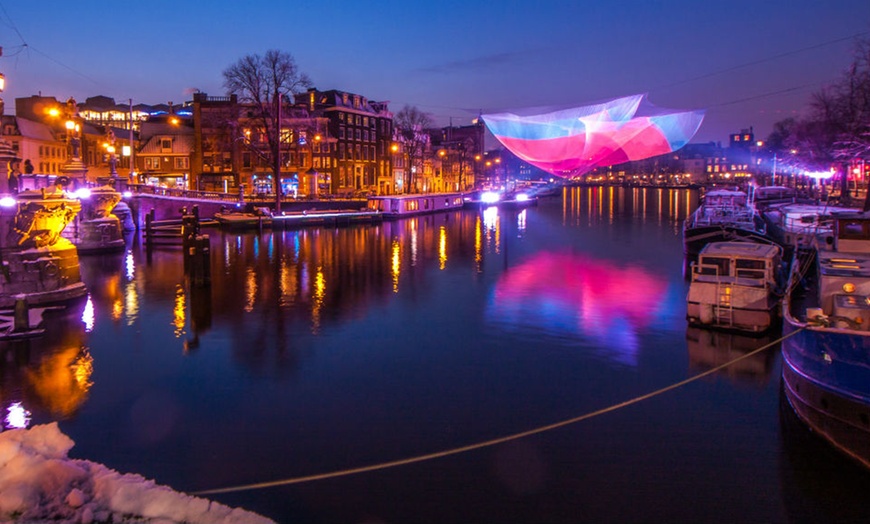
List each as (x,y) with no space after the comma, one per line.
(575,141)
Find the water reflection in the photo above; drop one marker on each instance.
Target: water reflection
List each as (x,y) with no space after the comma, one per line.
(563,294)
(589,205)
(47,374)
(710,348)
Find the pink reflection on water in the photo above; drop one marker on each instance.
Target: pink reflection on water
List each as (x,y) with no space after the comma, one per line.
(575,294)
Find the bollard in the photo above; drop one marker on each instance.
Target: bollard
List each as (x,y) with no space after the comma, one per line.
(202,261)
(21,320)
(149,225)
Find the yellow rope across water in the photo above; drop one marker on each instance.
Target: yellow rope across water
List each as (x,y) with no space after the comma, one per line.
(491,442)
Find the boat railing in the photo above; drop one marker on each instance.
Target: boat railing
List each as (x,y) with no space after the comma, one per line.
(718,216)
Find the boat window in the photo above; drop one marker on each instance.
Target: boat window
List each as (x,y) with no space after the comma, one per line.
(750,264)
(714,266)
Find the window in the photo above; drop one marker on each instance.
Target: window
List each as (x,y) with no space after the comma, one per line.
(357,134)
(715,266)
(182,162)
(152,163)
(341,132)
(366,135)
(165,144)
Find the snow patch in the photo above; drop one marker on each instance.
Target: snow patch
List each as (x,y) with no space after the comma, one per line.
(38,481)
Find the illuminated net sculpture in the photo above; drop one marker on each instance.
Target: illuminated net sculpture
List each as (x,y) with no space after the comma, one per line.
(575,141)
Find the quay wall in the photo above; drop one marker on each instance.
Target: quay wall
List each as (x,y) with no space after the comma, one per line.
(167,207)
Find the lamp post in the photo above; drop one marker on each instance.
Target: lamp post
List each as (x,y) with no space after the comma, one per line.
(8,181)
(74,168)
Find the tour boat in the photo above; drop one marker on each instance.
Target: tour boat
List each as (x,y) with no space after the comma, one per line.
(724,215)
(736,286)
(826,329)
(398,206)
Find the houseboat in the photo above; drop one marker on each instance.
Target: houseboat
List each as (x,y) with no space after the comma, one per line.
(736,286)
(797,226)
(826,330)
(399,206)
(724,215)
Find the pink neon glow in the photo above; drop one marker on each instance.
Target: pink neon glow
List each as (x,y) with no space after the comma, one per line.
(575,141)
(584,295)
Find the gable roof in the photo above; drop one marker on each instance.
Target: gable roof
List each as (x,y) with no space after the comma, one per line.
(34,130)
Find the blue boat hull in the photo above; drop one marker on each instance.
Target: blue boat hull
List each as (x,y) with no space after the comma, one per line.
(826,378)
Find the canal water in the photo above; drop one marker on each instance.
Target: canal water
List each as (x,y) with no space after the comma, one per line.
(324,350)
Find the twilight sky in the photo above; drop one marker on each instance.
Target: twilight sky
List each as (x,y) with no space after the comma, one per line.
(748,63)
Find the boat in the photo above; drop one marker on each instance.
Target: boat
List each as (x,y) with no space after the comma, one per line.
(766,196)
(258,218)
(263,218)
(724,215)
(736,286)
(399,206)
(826,331)
(796,226)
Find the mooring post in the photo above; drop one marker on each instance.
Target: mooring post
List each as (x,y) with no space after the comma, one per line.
(200,268)
(21,320)
(149,227)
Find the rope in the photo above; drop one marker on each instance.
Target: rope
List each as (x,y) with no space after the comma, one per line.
(495,441)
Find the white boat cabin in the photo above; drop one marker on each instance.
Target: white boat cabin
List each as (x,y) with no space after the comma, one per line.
(735,285)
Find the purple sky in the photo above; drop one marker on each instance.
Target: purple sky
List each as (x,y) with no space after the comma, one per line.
(748,63)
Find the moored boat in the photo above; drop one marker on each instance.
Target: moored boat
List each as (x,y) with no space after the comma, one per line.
(262,218)
(736,286)
(797,226)
(398,206)
(826,312)
(724,215)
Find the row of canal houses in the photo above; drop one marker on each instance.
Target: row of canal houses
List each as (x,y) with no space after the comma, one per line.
(333,142)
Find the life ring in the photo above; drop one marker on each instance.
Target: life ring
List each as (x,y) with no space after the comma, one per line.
(50,270)
(62,180)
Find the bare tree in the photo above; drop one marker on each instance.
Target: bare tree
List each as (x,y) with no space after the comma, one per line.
(838,126)
(411,124)
(265,84)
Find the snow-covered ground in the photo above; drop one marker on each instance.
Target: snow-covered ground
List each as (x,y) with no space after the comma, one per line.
(39,482)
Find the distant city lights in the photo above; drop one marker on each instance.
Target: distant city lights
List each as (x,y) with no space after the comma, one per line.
(490,197)
(819,175)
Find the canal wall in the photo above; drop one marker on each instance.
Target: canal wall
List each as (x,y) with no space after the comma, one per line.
(166,207)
